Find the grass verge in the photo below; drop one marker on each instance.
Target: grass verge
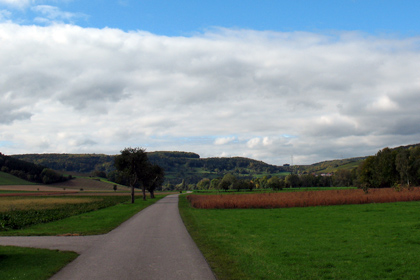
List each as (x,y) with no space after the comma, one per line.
(371,241)
(95,222)
(30,264)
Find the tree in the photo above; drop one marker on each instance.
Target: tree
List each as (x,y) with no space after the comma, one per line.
(274,183)
(227,181)
(204,184)
(133,162)
(154,179)
(214,183)
(343,178)
(367,173)
(402,163)
(292,180)
(415,165)
(386,172)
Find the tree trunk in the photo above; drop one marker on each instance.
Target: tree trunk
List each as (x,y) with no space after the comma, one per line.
(144,192)
(132,193)
(152,194)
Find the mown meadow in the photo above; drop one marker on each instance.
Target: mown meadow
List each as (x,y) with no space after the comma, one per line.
(363,241)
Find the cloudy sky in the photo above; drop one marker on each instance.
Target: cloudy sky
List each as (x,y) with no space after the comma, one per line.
(263,79)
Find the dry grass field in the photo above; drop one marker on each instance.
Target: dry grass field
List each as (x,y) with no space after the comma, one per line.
(27,203)
(302,199)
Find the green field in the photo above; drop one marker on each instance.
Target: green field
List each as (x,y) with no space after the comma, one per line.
(7,179)
(31,264)
(371,241)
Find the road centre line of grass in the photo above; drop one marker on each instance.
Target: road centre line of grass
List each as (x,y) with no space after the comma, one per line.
(370,241)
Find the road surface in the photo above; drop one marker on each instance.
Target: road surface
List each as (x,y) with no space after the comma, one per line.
(153,244)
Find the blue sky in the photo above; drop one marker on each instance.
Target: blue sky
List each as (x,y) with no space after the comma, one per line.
(185,18)
(175,18)
(262,79)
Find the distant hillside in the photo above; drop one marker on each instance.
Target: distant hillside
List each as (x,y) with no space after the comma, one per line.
(178,166)
(79,163)
(29,171)
(331,166)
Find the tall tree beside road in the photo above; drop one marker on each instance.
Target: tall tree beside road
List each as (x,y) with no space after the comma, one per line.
(133,162)
(155,178)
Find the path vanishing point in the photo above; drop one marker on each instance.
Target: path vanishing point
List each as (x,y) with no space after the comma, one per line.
(153,244)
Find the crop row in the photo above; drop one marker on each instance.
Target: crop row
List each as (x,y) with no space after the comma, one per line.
(17,219)
(303,199)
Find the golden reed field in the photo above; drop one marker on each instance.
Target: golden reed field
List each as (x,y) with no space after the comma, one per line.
(302,198)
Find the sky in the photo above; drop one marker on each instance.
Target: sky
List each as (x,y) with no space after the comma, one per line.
(279,81)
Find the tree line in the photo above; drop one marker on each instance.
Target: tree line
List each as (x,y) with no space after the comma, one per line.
(388,168)
(29,171)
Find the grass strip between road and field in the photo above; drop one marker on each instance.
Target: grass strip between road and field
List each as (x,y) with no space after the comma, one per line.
(31,264)
(370,241)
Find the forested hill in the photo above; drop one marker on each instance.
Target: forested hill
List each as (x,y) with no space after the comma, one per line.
(331,166)
(177,165)
(29,171)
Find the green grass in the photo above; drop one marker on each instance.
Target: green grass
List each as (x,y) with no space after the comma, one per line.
(31,264)
(372,241)
(95,222)
(7,179)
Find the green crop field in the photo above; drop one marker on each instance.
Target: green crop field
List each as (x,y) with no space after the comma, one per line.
(371,241)
(7,179)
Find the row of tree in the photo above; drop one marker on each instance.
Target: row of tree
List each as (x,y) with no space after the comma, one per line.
(229,181)
(389,168)
(135,170)
(29,171)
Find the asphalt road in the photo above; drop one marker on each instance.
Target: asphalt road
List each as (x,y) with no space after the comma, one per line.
(153,244)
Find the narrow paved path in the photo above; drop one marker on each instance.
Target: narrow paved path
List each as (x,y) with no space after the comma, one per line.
(153,244)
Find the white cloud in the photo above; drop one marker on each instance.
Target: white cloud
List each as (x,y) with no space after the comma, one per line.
(50,14)
(4,15)
(223,140)
(17,3)
(65,88)
(254,142)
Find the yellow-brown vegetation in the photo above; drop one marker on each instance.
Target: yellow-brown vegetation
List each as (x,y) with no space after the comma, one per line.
(303,199)
(27,203)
